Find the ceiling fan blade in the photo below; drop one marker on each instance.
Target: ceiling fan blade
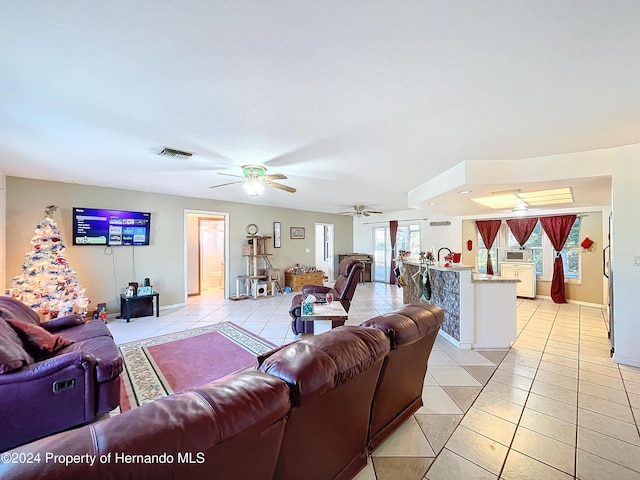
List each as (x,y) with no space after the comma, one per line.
(230,175)
(224,184)
(366,214)
(275,176)
(375,212)
(346,213)
(279,186)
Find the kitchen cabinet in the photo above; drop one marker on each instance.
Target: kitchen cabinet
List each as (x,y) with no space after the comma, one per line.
(523,271)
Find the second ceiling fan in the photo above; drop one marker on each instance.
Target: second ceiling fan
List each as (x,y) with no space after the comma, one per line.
(254,179)
(360,211)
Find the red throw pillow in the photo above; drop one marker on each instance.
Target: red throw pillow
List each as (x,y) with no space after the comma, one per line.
(36,339)
(13,355)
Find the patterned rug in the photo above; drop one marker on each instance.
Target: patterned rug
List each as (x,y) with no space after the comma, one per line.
(159,366)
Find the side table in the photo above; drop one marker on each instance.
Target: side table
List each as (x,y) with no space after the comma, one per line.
(323,316)
(138,305)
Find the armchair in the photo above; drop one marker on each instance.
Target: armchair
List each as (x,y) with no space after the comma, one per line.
(53,375)
(343,290)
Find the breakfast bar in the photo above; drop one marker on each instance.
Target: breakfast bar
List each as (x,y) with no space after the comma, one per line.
(480,310)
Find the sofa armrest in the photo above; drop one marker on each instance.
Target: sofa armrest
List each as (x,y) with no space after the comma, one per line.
(47,367)
(63,322)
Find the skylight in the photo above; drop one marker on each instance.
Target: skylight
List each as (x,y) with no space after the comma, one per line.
(527,199)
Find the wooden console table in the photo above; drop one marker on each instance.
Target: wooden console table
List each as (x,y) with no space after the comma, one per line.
(296,282)
(138,305)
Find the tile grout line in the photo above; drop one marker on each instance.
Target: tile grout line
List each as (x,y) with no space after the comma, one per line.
(575,454)
(510,447)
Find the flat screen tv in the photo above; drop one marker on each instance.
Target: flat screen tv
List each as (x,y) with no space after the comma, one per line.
(93,226)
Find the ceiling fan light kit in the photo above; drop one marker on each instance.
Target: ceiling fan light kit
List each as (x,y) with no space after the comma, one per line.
(253,187)
(254,180)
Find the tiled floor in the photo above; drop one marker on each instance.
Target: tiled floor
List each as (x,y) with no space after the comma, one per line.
(552,407)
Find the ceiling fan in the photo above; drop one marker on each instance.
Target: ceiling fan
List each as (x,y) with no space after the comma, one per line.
(254,179)
(360,211)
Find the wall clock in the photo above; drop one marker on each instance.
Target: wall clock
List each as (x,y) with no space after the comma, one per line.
(252,229)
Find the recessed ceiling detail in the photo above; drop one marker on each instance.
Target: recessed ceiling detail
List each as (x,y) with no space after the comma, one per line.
(527,199)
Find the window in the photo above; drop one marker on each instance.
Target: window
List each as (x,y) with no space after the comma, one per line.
(381,254)
(571,253)
(482,253)
(544,254)
(534,243)
(408,238)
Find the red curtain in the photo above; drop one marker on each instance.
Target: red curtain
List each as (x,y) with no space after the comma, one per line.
(488,230)
(393,230)
(557,229)
(522,228)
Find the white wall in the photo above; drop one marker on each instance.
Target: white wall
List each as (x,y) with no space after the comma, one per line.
(449,236)
(625,248)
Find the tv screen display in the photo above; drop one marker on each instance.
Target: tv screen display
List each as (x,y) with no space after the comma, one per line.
(93,226)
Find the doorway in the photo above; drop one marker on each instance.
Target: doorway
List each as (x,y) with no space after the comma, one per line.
(324,249)
(206,254)
(381,254)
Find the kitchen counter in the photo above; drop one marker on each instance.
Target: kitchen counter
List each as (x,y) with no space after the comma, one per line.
(483,277)
(480,309)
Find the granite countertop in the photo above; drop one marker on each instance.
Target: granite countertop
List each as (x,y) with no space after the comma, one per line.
(452,266)
(436,266)
(484,278)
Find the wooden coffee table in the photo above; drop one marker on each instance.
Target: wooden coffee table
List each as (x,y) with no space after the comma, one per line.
(323,316)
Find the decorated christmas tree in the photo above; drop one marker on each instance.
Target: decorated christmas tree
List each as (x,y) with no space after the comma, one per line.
(48,284)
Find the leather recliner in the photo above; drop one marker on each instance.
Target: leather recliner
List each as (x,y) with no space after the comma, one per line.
(230,428)
(332,378)
(46,392)
(412,331)
(343,290)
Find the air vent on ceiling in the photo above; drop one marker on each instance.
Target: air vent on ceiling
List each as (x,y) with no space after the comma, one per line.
(444,223)
(173,153)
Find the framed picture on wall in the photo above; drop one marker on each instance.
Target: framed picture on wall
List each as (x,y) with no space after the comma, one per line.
(296,233)
(276,235)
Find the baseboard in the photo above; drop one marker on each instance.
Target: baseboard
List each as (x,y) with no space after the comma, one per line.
(453,341)
(631,362)
(578,302)
(175,305)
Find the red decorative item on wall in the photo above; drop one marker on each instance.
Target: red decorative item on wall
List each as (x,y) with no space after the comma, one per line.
(586,243)
(469,244)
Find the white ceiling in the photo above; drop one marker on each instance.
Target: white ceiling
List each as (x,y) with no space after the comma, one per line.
(356,102)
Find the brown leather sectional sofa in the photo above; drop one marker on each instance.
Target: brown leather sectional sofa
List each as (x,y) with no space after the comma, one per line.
(311,409)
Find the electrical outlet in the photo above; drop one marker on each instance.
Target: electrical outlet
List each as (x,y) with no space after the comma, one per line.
(308,250)
(637,262)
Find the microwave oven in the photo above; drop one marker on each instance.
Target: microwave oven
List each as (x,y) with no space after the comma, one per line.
(518,256)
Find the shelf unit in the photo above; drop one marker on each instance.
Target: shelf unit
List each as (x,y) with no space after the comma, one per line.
(261,278)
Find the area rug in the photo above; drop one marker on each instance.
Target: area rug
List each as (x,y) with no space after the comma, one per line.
(159,366)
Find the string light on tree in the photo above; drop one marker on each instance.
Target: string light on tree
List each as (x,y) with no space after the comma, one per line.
(48,284)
